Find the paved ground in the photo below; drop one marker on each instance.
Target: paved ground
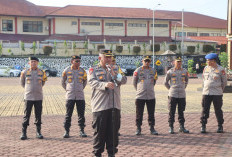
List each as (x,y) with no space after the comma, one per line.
(146,145)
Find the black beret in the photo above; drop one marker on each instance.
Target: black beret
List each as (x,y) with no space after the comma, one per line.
(33,58)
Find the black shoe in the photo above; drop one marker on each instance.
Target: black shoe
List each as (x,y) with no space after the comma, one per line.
(153,131)
(182,129)
(203,129)
(23,136)
(171,130)
(138,131)
(66,134)
(24,133)
(82,133)
(38,132)
(97,155)
(220,129)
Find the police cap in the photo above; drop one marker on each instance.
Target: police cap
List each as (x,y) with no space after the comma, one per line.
(75,57)
(33,59)
(211,56)
(178,59)
(146,57)
(106,52)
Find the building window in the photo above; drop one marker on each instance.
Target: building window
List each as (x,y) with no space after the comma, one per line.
(114,24)
(7,25)
(32,26)
(179,34)
(74,22)
(136,25)
(159,25)
(91,23)
(215,34)
(204,34)
(191,34)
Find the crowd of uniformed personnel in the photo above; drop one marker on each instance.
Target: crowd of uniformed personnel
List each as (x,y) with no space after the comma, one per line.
(105,80)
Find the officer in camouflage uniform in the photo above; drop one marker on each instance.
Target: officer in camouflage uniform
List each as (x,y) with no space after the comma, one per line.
(214,82)
(176,80)
(144,80)
(74,80)
(32,79)
(105,101)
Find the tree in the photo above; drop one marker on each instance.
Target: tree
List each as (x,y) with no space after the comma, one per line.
(223,57)
(191,66)
(54,47)
(34,47)
(0,49)
(144,47)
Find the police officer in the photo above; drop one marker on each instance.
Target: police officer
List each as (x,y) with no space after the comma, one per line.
(176,80)
(74,80)
(214,82)
(32,80)
(105,101)
(144,80)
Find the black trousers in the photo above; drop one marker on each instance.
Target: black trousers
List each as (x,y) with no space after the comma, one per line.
(27,112)
(140,103)
(80,105)
(217,102)
(103,131)
(172,103)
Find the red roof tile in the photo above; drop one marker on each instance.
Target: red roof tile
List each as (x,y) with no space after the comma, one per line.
(219,39)
(196,20)
(19,8)
(48,9)
(109,12)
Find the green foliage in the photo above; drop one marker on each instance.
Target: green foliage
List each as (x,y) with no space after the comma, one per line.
(111,47)
(47,50)
(74,45)
(129,48)
(86,46)
(99,47)
(137,63)
(191,49)
(0,49)
(22,46)
(164,45)
(136,49)
(94,46)
(65,47)
(144,47)
(223,47)
(223,57)
(156,47)
(172,47)
(179,47)
(119,48)
(191,66)
(9,51)
(54,47)
(208,48)
(34,47)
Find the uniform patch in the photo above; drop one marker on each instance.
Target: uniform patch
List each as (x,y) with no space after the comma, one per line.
(90,71)
(135,73)
(100,77)
(173,75)
(63,74)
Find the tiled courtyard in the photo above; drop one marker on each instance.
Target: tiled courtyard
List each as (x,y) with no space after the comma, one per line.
(146,145)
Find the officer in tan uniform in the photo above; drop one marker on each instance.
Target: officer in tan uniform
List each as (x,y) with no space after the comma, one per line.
(74,80)
(176,80)
(214,82)
(106,104)
(144,80)
(32,80)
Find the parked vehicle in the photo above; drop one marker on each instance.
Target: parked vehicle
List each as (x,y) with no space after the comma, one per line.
(48,70)
(9,71)
(130,68)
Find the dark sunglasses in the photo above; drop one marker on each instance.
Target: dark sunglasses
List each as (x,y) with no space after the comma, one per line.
(77,61)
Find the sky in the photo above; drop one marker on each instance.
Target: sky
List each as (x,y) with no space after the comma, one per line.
(214,8)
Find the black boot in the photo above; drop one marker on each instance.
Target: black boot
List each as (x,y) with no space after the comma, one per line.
(220,129)
(82,133)
(153,131)
(38,132)
(66,134)
(24,133)
(171,130)
(138,131)
(182,129)
(203,128)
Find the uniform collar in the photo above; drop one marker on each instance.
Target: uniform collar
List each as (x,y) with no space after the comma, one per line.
(73,68)
(143,67)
